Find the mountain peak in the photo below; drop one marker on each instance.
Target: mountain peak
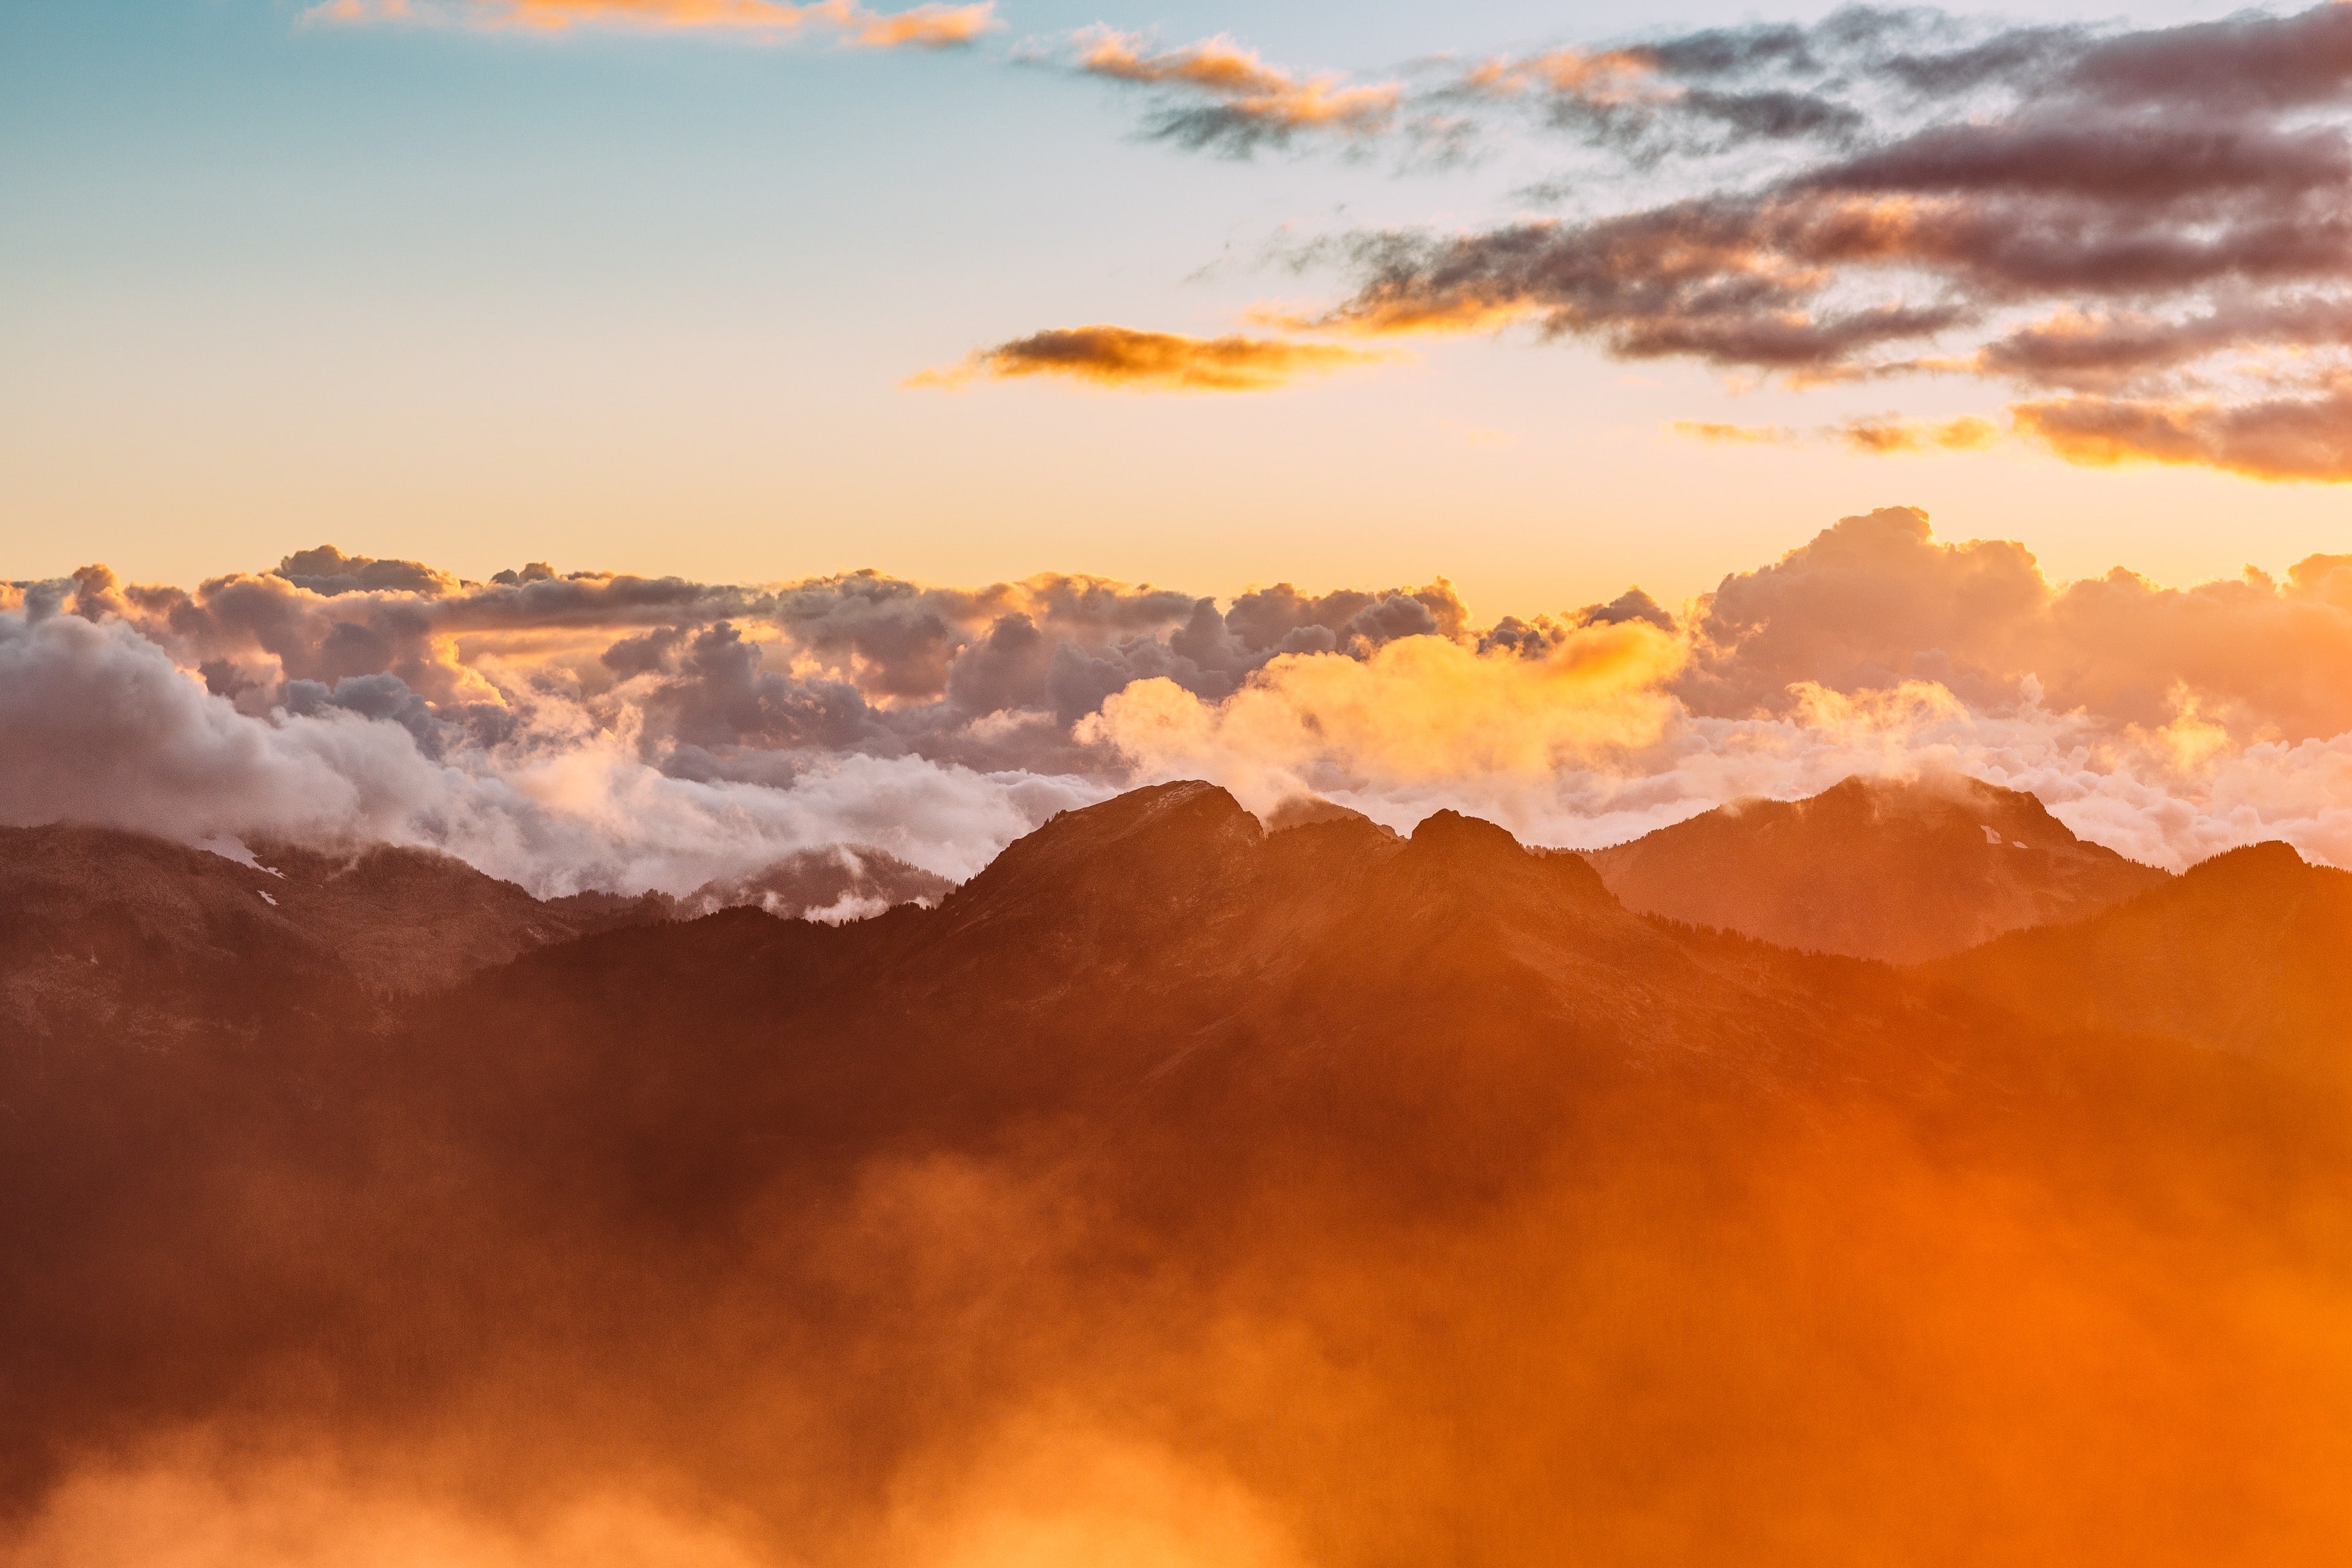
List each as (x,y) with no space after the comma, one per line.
(1902,869)
(1453,833)
(1175,838)
(2270,858)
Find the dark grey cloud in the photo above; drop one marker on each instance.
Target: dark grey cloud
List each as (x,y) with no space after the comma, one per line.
(2148,232)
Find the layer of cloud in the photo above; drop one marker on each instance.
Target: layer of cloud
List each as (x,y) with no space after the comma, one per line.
(589,731)
(1161,361)
(844,21)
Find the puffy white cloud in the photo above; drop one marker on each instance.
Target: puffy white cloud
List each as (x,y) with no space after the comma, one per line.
(101,726)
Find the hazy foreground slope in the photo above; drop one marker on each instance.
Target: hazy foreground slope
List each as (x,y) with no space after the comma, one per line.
(1903,870)
(1177,1193)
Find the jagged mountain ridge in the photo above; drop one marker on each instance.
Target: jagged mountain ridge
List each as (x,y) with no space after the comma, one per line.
(1410,1178)
(102,929)
(1904,870)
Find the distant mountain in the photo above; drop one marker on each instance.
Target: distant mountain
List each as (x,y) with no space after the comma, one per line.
(1900,871)
(1186,1191)
(2249,952)
(105,931)
(123,931)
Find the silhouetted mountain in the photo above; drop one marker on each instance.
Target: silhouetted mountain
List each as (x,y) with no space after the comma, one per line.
(115,932)
(1182,1190)
(2248,952)
(1901,871)
(111,931)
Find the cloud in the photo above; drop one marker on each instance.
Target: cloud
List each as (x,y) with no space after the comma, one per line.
(1249,103)
(1879,435)
(1630,100)
(921,26)
(584,730)
(1876,601)
(102,727)
(1418,709)
(2297,437)
(2061,210)
(593,731)
(1158,361)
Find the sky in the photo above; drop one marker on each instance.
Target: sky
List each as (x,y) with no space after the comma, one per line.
(624,443)
(657,299)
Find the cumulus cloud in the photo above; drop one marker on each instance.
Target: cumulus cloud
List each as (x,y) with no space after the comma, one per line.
(593,731)
(1160,362)
(587,731)
(102,727)
(1420,710)
(2169,724)
(921,26)
(1877,600)
(1226,98)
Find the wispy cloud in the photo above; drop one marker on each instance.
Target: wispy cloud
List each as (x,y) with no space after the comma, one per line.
(922,26)
(1968,434)
(1874,435)
(1227,98)
(2143,231)
(1727,435)
(2299,436)
(1158,361)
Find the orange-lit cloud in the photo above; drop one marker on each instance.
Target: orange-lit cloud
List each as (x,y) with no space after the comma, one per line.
(1465,315)
(1250,101)
(1155,362)
(2295,437)
(1598,75)
(923,26)
(1967,434)
(1418,710)
(1876,437)
(2142,230)
(1737,435)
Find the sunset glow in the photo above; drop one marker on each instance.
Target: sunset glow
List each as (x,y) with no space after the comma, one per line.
(835,784)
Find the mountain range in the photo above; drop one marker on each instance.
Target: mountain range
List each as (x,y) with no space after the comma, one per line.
(1289,1195)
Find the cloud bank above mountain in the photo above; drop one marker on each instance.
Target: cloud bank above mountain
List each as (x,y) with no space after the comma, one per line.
(599,730)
